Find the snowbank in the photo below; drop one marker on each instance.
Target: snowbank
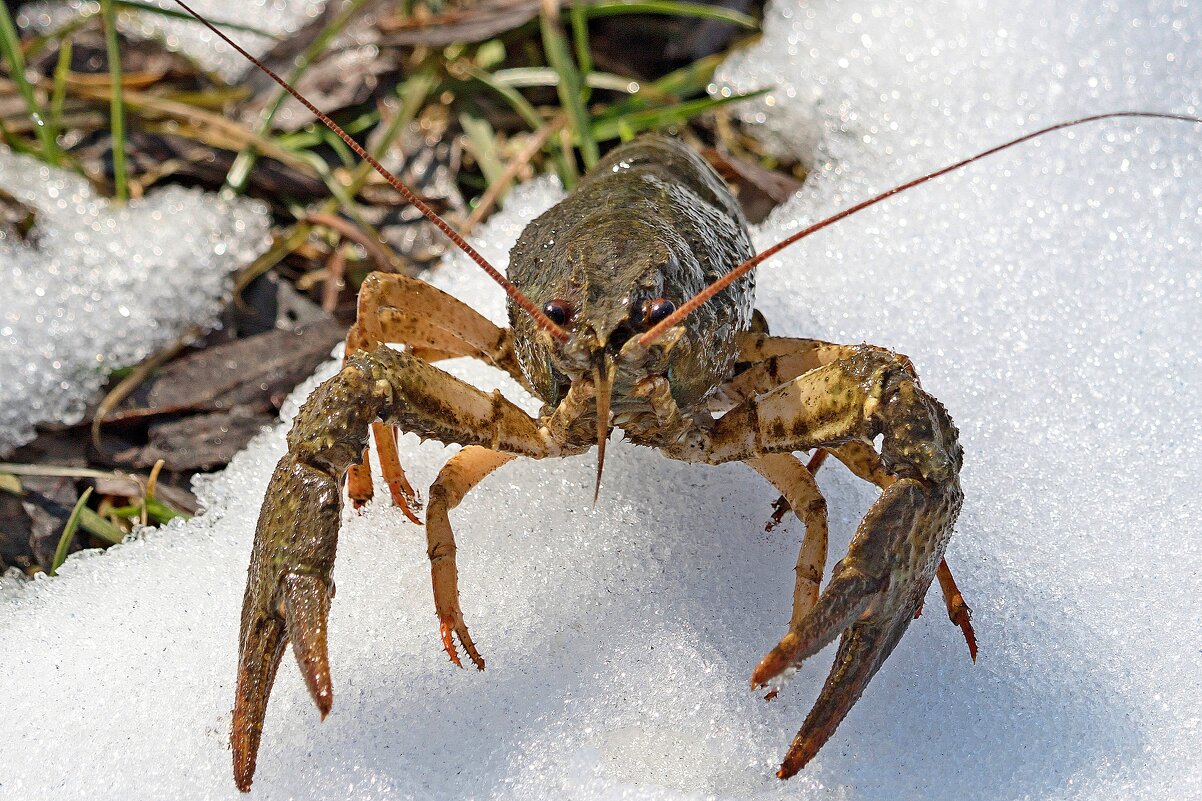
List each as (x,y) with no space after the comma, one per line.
(96,286)
(279,18)
(1050,297)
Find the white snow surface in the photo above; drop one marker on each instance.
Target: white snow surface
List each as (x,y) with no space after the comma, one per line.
(99,286)
(1050,297)
(279,18)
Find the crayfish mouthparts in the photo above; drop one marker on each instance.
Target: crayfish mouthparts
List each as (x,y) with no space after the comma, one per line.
(603,387)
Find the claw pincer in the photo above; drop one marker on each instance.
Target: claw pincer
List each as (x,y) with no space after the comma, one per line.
(287,599)
(875,591)
(288,588)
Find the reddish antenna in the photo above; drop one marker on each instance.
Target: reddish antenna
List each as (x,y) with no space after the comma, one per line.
(722,283)
(513,292)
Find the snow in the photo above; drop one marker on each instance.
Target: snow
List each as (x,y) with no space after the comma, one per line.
(1049,297)
(97,286)
(280,18)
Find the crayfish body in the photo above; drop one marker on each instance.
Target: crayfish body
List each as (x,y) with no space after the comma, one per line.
(602,332)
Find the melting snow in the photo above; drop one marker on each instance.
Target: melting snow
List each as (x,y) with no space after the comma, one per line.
(1051,297)
(98,286)
(277,18)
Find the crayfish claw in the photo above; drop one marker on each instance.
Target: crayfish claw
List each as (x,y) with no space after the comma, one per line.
(452,626)
(302,620)
(843,600)
(963,619)
(358,482)
(262,647)
(307,611)
(288,593)
(404,497)
(957,610)
(871,599)
(861,651)
(447,634)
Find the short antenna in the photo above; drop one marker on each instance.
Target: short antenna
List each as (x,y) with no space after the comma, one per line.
(722,283)
(513,292)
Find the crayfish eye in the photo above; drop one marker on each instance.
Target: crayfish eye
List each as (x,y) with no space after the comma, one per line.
(658,310)
(558,311)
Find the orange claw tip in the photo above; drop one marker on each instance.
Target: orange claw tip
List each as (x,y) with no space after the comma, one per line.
(961,615)
(407,510)
(448,642)
(775,662)
(307,610)
(970,637)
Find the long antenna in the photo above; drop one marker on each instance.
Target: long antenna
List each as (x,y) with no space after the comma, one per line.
(722,283)
(397,184)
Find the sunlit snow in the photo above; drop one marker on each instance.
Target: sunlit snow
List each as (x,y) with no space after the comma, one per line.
(267,23)
(96,286)
(1051,297)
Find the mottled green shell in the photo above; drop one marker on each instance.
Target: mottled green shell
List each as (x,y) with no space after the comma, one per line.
(651,220)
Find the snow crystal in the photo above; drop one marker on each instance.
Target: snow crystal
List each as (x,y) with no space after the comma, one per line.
(278,18)
(1050,298)
(96,286)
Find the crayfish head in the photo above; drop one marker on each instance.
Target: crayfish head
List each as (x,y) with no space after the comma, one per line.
(647,229)
(606,287)
(608,357)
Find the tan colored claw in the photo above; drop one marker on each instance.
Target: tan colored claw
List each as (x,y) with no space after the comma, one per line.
(465,469)
(871,600)
(288,588)
(844,398)
(287,599)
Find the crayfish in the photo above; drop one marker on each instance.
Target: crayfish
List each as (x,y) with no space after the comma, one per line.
(630,307)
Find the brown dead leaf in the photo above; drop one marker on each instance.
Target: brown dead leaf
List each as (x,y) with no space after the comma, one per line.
(256,371)
(759,189)
(200,441)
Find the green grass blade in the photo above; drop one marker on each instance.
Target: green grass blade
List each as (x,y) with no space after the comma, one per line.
(155,509)
(565,165)
(117,104)
(684,83)
(570,87)
(650,119)
(10,46)
(161,513)
(239,172)
(521,105)
(91,522)
(59,93)
(335,143)
(100,528)
(611,8)
(584,55)
(64,541)
(483,140)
